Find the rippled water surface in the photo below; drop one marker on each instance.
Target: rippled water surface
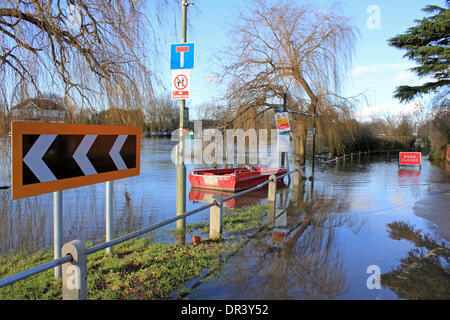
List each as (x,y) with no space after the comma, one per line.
(365,213)
(365,216)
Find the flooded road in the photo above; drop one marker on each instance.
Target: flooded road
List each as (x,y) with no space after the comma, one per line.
(356,219)
(325,240)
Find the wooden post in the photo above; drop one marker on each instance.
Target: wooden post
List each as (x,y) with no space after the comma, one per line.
(74,273)
(296,178)
(216,218)
(272,189)
(271,215)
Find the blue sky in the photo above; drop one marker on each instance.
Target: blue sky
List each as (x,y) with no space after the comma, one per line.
(376,68)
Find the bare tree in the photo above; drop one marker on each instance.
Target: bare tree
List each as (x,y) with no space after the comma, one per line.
(162,114)
(283,47)
(87,49)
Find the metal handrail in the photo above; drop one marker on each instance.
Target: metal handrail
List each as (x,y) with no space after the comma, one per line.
(147,229)
(68,258)
(35,270)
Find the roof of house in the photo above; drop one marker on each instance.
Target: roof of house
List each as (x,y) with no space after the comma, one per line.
(40,103)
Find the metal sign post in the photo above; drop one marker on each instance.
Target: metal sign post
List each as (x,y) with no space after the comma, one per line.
(283,125)
(109,214)
(57,230)
(181,57)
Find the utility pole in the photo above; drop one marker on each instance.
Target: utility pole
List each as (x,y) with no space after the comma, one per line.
(314,142)
(282,108)
(181,168)
(283,154)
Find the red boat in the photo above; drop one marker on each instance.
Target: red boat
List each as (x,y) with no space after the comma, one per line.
(233,179)
(207,196)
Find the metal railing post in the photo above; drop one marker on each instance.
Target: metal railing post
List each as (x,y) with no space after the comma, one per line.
(216,218)
(74,273)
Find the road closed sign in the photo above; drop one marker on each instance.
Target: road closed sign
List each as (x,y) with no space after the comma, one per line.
(48,157)
(181,82)
(410,158)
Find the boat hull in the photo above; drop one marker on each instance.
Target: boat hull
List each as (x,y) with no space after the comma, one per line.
(234,179)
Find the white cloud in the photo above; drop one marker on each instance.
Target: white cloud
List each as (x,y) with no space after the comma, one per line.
(378,69)
(393,108)
(407,109)
(370,112)
(404,78)
(211,78)
(363,70)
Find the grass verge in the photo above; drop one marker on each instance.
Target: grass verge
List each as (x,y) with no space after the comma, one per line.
(139,268)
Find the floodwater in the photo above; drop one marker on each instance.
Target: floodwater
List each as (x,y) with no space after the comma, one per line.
(326,240)
(27,224)
(331,239)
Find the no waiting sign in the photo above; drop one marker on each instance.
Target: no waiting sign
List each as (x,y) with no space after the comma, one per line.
(181,82)
(48,157)
(282,121)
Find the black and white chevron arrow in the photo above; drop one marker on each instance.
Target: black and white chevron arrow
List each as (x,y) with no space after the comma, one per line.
(51,157)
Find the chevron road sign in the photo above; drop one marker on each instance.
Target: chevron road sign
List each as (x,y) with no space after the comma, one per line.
(48,157)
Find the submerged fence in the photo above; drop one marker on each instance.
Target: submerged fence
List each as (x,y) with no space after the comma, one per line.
(352,154)
(74,253)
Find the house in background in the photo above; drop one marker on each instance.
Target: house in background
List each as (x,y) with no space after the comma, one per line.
(41,110)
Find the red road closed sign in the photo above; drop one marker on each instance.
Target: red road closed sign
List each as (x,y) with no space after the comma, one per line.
(410,158)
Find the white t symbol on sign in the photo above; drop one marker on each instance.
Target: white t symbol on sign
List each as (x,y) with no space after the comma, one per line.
(182,50)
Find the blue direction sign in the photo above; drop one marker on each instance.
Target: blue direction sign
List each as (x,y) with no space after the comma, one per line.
(182,56)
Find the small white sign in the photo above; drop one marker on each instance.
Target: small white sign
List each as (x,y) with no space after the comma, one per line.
(181,82)
(283,142)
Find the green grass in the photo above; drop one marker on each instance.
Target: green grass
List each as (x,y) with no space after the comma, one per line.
(138,269)
(235,221)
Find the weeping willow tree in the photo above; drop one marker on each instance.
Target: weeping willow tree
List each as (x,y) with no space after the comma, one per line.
(338,131)
(303,50)
(94,53)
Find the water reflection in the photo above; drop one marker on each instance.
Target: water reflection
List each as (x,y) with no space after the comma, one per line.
(27,224)
(425,272)
(138,201)
(408,176)
(256,197)
(296,257)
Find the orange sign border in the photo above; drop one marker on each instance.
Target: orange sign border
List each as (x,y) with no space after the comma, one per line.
(19,128)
